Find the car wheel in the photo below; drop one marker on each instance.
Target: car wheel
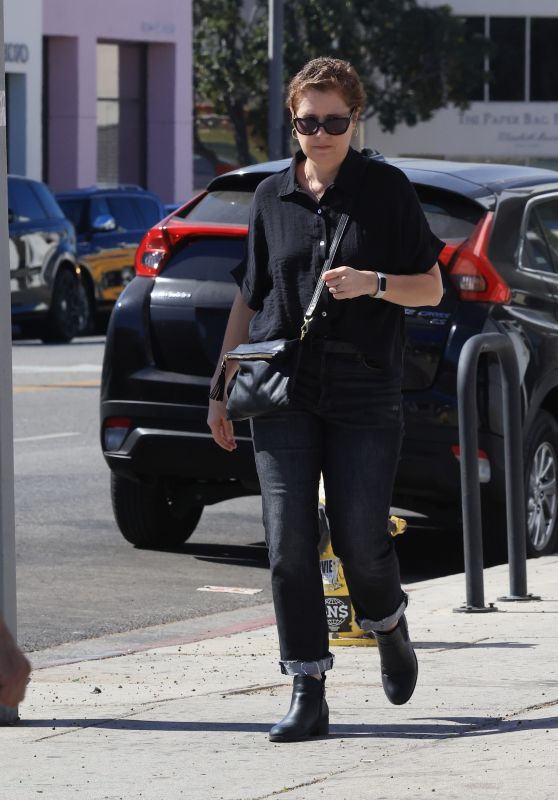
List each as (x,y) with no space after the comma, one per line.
(541,491)
(86,311)
(146,517)
(65,318)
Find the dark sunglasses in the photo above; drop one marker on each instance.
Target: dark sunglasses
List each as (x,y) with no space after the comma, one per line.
(335,126)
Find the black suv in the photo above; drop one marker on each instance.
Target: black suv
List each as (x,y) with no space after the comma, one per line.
(46,291)
(500,223)
(110,222)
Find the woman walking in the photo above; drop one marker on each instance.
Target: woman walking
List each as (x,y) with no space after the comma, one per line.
(346,417)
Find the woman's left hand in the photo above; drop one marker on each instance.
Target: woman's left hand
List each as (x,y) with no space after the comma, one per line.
(346,282)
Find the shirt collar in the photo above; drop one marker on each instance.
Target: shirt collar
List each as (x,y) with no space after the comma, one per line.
(289,184)
(347,178)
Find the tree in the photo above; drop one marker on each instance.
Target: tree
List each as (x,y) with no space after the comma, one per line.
(230,55)
(413,59)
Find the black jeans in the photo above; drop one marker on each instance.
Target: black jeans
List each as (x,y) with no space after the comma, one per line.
(346,423)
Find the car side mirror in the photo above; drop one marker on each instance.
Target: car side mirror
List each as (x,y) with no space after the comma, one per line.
(104,222)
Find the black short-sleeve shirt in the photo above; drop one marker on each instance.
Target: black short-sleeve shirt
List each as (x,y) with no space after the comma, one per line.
(289,237)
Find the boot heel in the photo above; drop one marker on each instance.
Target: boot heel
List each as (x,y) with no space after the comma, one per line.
(323,727)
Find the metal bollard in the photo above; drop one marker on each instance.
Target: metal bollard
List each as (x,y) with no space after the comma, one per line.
(470,486)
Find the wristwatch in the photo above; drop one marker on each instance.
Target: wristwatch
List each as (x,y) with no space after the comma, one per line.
(382,286)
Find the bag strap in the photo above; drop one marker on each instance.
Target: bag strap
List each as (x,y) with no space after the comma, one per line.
(218,391)
(308,314)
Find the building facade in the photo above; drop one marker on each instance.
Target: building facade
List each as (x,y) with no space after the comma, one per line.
(514,116)
(23,36)
(100,92)
(117,100)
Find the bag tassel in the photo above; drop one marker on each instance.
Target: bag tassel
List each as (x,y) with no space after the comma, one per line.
(218,391)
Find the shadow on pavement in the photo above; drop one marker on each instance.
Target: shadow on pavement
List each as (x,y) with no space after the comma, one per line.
(248,555)
(436,729)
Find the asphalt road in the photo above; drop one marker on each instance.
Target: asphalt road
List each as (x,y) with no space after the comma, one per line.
(77,577)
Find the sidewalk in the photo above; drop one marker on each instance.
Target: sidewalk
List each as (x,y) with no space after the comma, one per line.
(186,714)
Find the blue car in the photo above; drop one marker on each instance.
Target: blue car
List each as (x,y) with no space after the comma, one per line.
(110,222)
(45,286)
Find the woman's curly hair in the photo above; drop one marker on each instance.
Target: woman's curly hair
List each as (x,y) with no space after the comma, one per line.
(326,74)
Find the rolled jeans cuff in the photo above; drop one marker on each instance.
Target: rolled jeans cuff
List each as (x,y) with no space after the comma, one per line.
(307,667)
(386,623)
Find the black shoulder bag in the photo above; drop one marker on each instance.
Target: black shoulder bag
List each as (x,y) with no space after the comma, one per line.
(267,370)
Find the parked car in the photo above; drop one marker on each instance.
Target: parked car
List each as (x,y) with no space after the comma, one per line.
(46,293)
(500,272)
(110,222)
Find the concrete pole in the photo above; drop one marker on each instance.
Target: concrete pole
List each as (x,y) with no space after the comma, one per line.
(275,58)
(7,524)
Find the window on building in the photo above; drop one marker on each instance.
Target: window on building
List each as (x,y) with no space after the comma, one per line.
(507,59)
(474,33)
(544,59)
(16,102)
(121,113)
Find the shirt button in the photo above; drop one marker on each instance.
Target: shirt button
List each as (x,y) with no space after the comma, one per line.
(319,211)
(322,243)
(324,313)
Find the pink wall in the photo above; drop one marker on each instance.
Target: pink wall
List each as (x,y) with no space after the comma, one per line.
(166,26)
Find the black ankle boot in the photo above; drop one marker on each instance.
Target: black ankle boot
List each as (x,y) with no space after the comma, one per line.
(399,663)
(308,714)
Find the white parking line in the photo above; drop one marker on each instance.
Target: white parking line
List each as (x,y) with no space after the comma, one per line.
(45,436)
(61,368)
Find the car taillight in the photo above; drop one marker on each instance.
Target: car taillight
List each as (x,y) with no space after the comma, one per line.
(485,473)
(153,253)
(115,431)
(472,272)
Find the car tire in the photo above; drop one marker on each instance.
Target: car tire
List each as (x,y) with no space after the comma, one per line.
(541,485)
(86,310)
(67,309)
(146,517)
(541,497)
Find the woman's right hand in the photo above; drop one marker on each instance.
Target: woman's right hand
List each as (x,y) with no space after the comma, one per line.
(221,427)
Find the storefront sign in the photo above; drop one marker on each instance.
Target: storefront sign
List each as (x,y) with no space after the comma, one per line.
(16,53)
(158,27)
(530,129)
(484,130)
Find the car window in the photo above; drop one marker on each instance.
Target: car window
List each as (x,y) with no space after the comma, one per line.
(23,202)
(226,207)
(124,213)
(76,211)
(548,217)
(207,259)
(48,201)
(449,216)
(148,211)
(98,207)
(540,243)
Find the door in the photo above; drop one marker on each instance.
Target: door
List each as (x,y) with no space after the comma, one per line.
(190,304)
(452,218)
(34,239)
